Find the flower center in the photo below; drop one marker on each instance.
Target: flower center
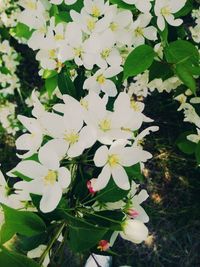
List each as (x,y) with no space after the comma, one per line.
(105,53)
(113,26)
(113,160)
(52,53)
(139,32)
(71,138)
(135,105)
(105,125)
(78,52)
(31,5)
(59,37)
(165,11)
(90,24)
(101,79)
(96,11)
(50,178)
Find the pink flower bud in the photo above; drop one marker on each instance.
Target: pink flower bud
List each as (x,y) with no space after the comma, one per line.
(104,245)
(90,188)
(133,213)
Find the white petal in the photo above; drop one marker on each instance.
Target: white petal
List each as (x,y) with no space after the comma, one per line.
(31,169)
(51,198)
(120,177)
(103,179)
(101,156)
(64,177)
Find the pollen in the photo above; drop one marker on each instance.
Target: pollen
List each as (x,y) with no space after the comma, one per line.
(50,178)
(90,24)
(101,79)
(59,37)
(113,26)
(84,103)
(52,53)
(166,11)
(96,11)
(105,53)
(135,106)
(139,32)
(71,138)
(113,160)
(105,125)
(31,5)
(78,52)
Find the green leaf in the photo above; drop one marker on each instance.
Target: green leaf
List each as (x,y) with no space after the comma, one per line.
(49,74)
(197,153)
(134,172)
(186,77)
(82,239)
(138,60)
(23,30)
(160,70)
(184,144)
(186,9)
(111,193)
(51,84)
(22,222)
(65,84)
(182,52)
(20,175)
(123,5)
(63,16)
(13,259)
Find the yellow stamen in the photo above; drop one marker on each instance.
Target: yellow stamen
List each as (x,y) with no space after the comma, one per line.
(90,24)
(139,32)
(105,125)
(101,79)
(113,160)
(96,11)
(105,53)
(166,11)
(50,178)
(59,37)
(113,26)
(135,105)
(71,138)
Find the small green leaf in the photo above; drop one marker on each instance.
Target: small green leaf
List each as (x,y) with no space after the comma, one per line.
(123,5)
(186,77)
(184,144)
(134,172)
(51,84)
(23,30)
(13,259)
(138,60)
(182,51)
(22,222)
(82,239)
(49,74)
(65,84)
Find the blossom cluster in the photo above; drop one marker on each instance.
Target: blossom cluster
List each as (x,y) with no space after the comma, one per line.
(9,60)
(9,11)
(195,31)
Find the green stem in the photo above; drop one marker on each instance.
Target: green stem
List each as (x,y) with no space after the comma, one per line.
(55,237)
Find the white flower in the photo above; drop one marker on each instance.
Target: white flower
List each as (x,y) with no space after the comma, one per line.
(195,138)
(29,141)
(140,31)
(70,136)
(95,8)
(113,160)
(107,125)
(47,179)
(142,5)
(135,210)
(164,10)
(100,81)
(134,231)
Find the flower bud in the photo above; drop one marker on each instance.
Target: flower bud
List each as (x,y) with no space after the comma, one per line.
(134,231)
(104,245)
